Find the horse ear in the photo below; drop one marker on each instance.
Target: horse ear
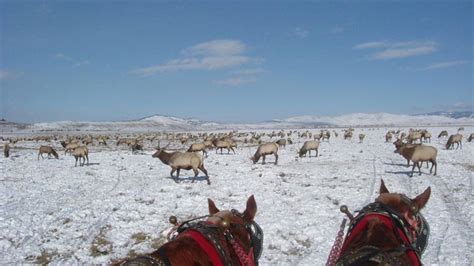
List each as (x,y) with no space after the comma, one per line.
(422,199)
(212,207)
(383,188)
(251,210)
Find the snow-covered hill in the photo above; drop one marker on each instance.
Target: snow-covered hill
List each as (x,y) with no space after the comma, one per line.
(379,119)
(170,123)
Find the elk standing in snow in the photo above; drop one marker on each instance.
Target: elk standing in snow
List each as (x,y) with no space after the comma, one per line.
(418,153)
(309,146)
(471,137)
(6,150)
(281,143)
(196,147)
(182,160)
(263,150)
(81,153)
(443,133)
(49,150)
(223,144)
(454,139)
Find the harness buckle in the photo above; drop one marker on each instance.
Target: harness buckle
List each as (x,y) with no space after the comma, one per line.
(345,210)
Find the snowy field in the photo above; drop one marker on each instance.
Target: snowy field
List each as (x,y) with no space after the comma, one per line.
(118,205)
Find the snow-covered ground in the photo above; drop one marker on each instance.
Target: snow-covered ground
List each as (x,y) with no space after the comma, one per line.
(120,203)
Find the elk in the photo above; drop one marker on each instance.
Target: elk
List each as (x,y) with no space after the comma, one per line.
(471,137)
(399,145)
(325,135)
(6,150)
(388,137)
(348,135)
(196,147)
(426,136)
(419,154)
(79,153)
(49,150)
(182,160)
(63,143)
(221,144)
(443,133)
(102,141)
(454,139)
(208,144)
(281,143)
(70,147)
(361,137)
(263,150)
(414,136)
(136,147)
(309,146)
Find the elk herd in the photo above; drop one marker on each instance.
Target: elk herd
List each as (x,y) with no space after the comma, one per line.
(411,145)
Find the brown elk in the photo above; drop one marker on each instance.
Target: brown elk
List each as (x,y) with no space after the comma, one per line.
(388,137)
(471,137)
(49,150)
(418,153)
(348,135)
(309,146)
(182,160)
(197,147)
(6,150)
(457,138)
(281,143)
(79,153)
(443,133)
(223,144)
(263,150)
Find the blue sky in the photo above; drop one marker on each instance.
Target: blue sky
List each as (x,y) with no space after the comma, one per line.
(238,61)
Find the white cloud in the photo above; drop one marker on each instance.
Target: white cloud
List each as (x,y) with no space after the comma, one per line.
(370,45)
(445,64)
(4,75)
(62,57)
(216,48)
(337,30)
(81,63)
(236,81)
(301,32)
(249,71)
(75,63)
(393,50)
(212,55)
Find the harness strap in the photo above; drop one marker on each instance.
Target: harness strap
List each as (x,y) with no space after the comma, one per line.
(206,246)
(360,226)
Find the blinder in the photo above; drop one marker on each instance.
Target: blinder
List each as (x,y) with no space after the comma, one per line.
(256,236)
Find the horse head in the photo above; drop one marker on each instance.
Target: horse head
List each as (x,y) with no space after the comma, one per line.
(226,237)
(390,230)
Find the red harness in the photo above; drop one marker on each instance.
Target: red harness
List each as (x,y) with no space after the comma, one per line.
(205,245)
(362,226)
(211,251)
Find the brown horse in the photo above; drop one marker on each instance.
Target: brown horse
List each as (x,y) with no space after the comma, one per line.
(390,231)
(224,238)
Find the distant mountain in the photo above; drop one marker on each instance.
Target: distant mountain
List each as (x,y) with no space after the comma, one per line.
(454,114)
(171,123)
(378,119)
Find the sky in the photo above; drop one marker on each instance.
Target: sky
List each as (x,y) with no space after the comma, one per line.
(232,61)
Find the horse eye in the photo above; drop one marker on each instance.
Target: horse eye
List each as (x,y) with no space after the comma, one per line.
(414,208)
